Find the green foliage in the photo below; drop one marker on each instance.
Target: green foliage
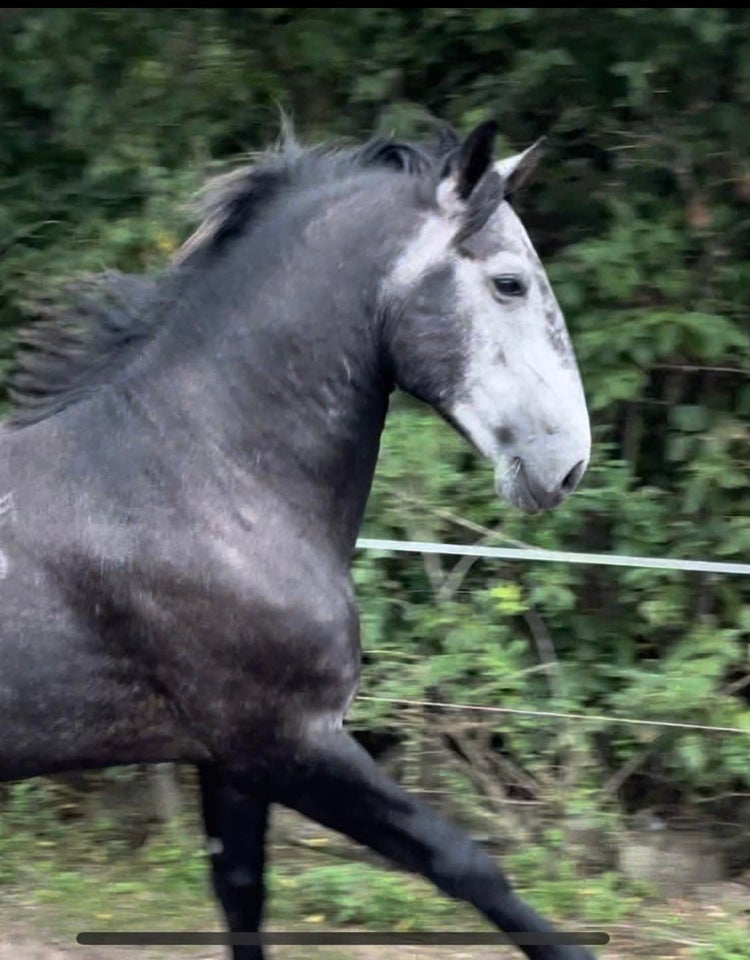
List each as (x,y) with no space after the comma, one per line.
(549,880)
(111,117)
(352,894)
(728,942)
(79,873)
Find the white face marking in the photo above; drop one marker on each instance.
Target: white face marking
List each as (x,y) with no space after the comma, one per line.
(521,401)
(522,398)
(429,247)
(6,512)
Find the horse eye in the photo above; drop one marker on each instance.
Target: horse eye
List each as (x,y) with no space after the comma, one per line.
(509,286)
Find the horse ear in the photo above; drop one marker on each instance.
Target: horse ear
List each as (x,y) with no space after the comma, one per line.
(475,158)
(514,170)
(465,167)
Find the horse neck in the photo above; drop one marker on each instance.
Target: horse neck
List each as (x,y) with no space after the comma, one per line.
(276,367)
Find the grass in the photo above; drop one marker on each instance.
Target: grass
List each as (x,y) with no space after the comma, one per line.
(88,877)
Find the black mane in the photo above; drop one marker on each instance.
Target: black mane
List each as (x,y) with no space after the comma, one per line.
(75,339)
(75,336)
(230,202)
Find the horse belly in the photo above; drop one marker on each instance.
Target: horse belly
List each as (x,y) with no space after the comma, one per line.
(65,707)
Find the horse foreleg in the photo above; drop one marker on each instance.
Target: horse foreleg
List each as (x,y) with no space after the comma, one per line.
(236,823)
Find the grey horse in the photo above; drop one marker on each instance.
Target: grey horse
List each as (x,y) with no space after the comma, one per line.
(184,476)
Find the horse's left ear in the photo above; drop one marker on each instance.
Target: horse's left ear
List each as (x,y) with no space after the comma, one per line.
(514,170)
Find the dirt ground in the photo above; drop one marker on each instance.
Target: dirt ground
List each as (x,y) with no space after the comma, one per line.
(22,943)
(33,934)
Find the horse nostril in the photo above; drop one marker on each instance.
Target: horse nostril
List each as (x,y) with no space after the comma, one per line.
(546,495)
(570,482)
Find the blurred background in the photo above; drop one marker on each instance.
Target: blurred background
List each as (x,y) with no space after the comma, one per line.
(110,119)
